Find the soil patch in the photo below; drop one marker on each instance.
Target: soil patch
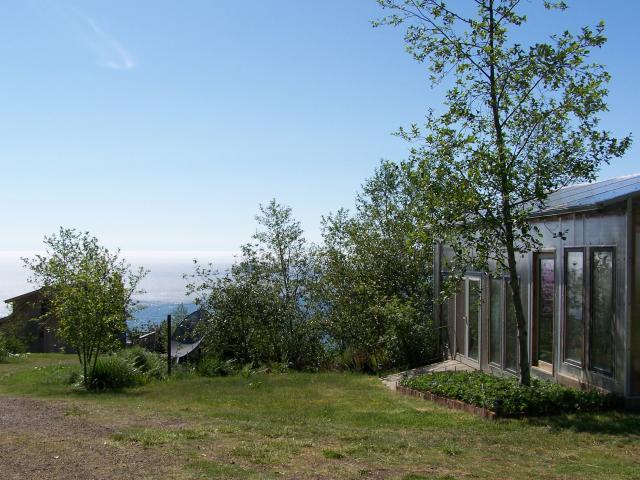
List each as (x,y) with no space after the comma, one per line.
(56,440)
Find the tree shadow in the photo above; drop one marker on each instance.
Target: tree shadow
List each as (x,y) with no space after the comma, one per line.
(610,423)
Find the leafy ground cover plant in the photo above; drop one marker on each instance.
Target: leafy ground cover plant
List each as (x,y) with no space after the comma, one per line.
(506,396)
(150,364)
(114,372)
(127,368)
(212,366)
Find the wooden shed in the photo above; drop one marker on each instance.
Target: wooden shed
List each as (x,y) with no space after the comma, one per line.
(580,291)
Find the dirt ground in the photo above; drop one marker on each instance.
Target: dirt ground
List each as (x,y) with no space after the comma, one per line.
(54,440)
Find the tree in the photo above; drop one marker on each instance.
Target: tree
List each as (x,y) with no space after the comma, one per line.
(242,312)
(259,310)
(376,285)
(518,123)
(285,259)
(179,314)
(89,290)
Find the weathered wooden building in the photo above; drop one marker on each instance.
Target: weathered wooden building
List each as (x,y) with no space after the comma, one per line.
(580,291)
(31,324)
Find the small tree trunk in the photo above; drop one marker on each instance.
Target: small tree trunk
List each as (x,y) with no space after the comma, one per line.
(85,372)
(525,373)
(523,344)
(95,360)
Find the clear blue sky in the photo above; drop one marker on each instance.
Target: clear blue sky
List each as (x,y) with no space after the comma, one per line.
(161,125)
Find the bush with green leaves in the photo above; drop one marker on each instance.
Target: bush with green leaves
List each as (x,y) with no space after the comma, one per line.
(114,372)
(506,397)
(73,377)
(4,350)
(212,366)
(375,287)
(260,311)
(150,364)
(17,335)
(89,290)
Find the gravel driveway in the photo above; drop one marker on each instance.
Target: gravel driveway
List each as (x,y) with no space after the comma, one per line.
(55,440)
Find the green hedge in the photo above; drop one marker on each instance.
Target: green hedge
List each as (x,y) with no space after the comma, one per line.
(506,397)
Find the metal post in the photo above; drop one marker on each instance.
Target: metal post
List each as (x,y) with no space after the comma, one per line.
(168,344)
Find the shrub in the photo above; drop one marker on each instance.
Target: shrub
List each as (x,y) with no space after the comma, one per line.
(374,292)
(15,338)
(114,372)
(247,371)
(278,367)
(183,370)
(74,377)
(4,350)
(212,366)
(152,365)
(506,397)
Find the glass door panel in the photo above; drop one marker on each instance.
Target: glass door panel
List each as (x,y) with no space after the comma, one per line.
(545,307)
(602,311)
(474,309)
(574,306)
(495,324)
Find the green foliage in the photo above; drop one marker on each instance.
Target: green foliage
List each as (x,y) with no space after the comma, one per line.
(519,122)
(507,397)
(74,377)
(375,291)
(247,370)
(114,372)
(259,311)
(4,350)
(287,422)
(15,344)
(332,454)
(150,364)
(278,367)
(89,290)
(363,299)
(212,366)
(17,334)
(182,371)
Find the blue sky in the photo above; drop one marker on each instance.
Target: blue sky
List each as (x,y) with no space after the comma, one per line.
(161,125)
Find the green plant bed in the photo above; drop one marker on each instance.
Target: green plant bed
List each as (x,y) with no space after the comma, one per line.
(506,397)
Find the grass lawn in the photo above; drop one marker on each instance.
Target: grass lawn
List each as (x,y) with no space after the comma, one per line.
(291,425)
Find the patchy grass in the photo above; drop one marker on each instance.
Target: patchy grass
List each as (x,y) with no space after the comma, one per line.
(328,425)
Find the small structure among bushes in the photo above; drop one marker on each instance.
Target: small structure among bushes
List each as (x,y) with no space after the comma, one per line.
(505,396)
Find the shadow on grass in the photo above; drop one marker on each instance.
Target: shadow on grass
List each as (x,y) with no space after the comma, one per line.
(610,423)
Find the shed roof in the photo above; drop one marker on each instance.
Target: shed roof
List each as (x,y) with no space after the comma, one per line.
(24,296)
(591,195)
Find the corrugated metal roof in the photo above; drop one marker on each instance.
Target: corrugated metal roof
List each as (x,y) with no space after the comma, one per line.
(588,195)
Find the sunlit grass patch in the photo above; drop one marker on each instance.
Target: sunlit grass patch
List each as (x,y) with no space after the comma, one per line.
(149,437)
(331,424)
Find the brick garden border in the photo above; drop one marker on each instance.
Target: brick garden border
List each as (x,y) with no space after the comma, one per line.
(448,402)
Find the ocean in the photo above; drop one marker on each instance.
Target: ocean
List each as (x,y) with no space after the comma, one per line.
(164,286)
